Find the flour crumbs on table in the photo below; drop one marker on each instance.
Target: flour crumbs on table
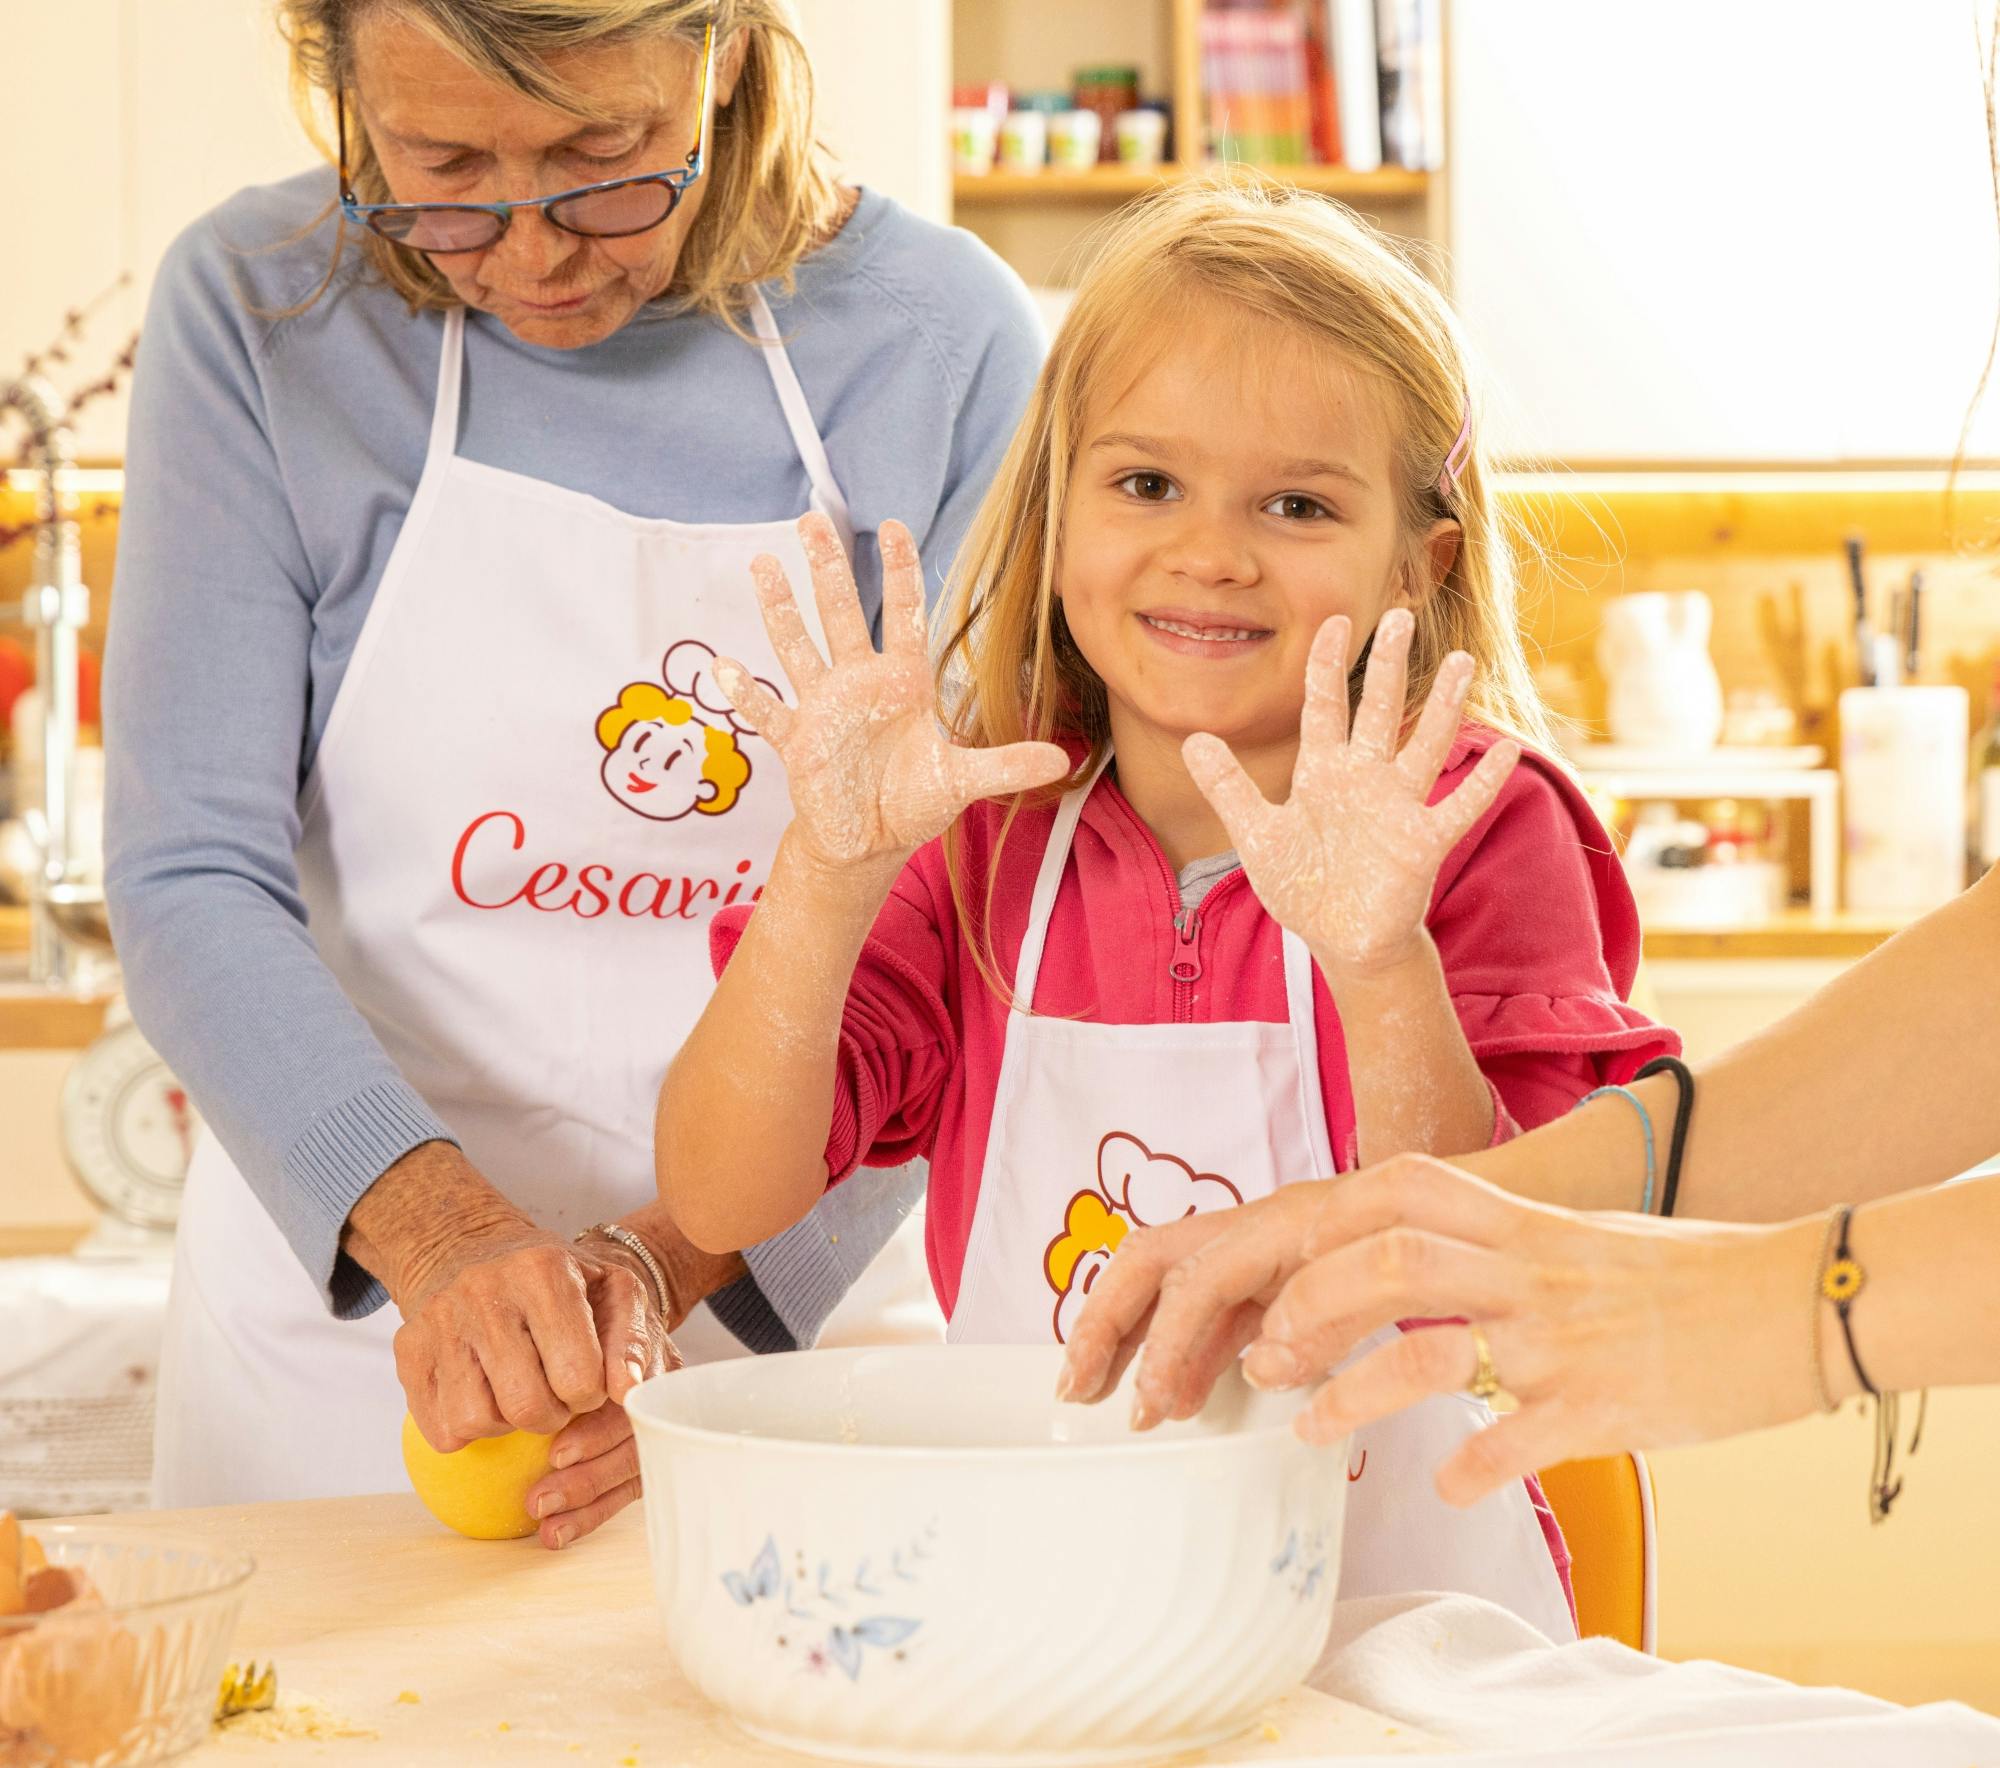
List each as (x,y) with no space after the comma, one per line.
(300,1720)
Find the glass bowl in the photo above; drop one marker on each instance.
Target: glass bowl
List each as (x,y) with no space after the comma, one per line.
(129,1680)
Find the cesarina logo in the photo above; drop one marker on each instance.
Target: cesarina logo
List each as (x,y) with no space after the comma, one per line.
(671,749)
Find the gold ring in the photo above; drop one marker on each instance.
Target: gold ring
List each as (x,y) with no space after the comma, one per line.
(1485,1382)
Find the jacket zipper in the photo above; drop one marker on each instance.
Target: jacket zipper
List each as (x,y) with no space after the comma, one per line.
(1185,966)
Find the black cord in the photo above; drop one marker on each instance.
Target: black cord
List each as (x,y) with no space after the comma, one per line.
(1844,1279)
(1842,1284)
(1683,1111)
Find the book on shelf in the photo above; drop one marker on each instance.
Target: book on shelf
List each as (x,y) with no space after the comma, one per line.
(1354,83)
(1409,51)
(1253,72)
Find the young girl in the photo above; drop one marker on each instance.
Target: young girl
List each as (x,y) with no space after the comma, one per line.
(1145,928)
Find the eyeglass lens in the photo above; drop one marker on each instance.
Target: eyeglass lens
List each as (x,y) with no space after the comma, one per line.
(622,209)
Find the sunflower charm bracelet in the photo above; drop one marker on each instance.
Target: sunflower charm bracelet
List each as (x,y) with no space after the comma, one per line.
(1840,1280)
(1840,1283)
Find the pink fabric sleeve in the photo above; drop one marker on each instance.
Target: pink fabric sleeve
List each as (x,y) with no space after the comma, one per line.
(1539,939)
(898,1042)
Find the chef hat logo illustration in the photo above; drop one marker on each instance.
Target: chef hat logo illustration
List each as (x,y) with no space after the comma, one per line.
(1089,1225)
(688,669)
(725,769)
(1091,1232)
(1153,1189)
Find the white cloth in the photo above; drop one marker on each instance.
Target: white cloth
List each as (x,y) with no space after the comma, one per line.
(79,1361)
(1098,1128)
(1485,1682)
(530,797)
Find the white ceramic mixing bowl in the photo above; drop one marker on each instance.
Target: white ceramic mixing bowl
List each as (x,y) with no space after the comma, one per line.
(913,1554)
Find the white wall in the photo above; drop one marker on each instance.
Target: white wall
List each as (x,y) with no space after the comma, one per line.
(125,119)
(134,116)
(1738,229)
(882,69)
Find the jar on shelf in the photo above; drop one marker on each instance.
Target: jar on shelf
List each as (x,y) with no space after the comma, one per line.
(1107,91)
(1024,140)
(1142,138)
(1075,140)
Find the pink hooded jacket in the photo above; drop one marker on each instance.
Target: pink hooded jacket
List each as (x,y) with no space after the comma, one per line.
(1531,916)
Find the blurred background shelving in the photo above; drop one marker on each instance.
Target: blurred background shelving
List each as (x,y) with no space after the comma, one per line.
(1036,220)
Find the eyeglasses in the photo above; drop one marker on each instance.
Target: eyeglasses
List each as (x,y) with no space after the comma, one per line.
(614,209)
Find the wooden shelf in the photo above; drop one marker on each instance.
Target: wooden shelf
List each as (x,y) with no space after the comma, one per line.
(1111,184)
(31,1020)
(44,1240)
(1798,935)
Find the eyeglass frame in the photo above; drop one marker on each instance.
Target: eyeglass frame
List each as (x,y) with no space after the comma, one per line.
(676,180)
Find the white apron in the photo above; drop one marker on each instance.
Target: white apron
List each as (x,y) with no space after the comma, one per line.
(530,798)
(1099,1128)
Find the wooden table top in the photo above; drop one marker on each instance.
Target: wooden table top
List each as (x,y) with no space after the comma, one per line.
(425,1648)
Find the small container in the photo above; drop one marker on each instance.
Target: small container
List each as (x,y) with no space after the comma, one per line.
(974,135)
(1903,791)
(1074,139)
(1141,138)
(1107,91)
(1024,141)
(984,95)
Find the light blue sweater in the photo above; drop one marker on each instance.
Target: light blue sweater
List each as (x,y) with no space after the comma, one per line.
(270,464)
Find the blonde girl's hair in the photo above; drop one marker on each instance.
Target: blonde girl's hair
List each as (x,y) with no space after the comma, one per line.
(772,190)
(1009,670)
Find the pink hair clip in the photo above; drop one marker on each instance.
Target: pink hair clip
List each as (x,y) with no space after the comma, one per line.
(1461,452)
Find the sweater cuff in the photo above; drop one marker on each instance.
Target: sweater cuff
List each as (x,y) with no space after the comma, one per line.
(750,1317)
(331,1165)
(801,1279)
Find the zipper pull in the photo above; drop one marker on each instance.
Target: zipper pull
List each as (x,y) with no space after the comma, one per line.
(1186,966)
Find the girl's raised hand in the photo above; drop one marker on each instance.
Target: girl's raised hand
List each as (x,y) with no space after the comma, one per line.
(1348,861)
(871,771)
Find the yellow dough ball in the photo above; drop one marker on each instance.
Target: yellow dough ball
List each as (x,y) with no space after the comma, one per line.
(482,1490)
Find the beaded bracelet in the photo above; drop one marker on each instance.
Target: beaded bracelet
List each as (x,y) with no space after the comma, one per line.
(1842,1279)
(1645,1124)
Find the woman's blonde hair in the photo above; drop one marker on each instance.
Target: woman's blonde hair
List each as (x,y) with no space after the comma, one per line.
(1009,670)
(772,192)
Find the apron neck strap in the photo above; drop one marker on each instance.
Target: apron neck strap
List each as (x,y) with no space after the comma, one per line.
(827,495)
(1055,856)
(451,373)
(1299,1010)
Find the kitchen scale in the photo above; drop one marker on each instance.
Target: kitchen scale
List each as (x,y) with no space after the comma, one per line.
(128,1131)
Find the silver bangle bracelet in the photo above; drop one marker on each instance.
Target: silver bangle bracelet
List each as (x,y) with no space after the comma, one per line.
(639,1250)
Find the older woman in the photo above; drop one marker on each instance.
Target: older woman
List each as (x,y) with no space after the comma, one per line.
(1626,1331)
(446,471)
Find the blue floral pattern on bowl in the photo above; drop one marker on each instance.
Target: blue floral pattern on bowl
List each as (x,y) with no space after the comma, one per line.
(1301,1563)
(830,1620)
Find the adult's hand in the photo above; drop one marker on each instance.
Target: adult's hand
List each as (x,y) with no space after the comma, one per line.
(1610,1332)
(594,1463)
(508,1326)
(1191,1295)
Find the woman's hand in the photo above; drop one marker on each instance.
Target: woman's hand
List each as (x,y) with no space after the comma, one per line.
(1192,1295)
(872,775)
(1348,861)
(507,1326)
(1611,1332)
(593,1462)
